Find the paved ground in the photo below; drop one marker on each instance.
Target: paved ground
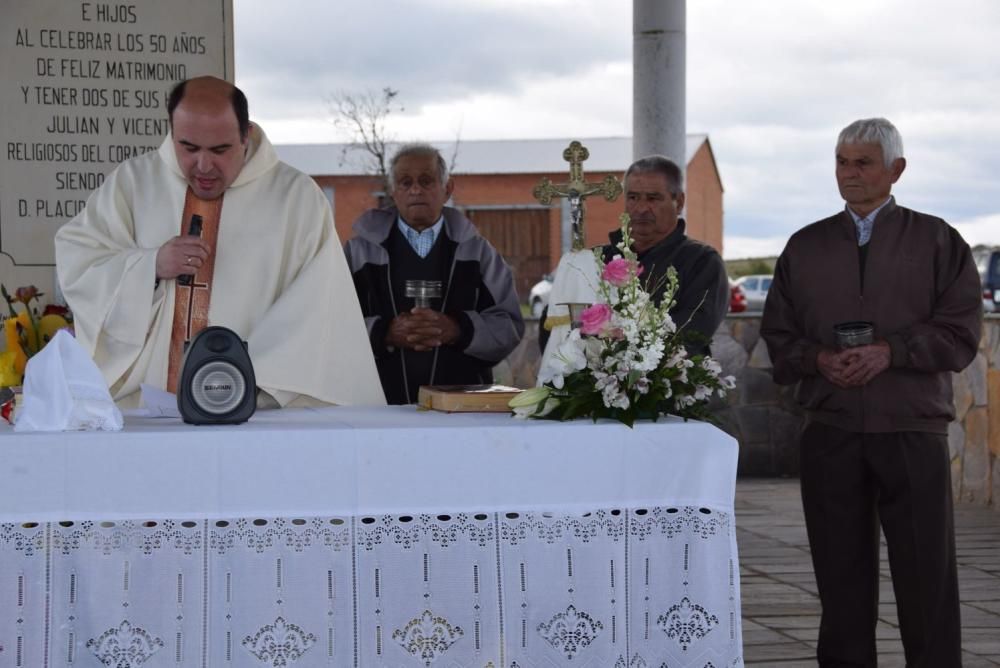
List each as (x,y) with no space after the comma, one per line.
(780,605)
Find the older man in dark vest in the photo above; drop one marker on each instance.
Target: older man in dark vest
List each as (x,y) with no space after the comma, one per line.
(476,322)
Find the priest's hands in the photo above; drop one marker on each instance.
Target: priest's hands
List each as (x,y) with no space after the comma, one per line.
(181,255)
(854,367)
(422,329)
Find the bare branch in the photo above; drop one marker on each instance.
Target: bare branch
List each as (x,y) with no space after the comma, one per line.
(364,117)
(454,151)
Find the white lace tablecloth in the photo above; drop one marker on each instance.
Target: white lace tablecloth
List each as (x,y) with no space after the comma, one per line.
(370,537)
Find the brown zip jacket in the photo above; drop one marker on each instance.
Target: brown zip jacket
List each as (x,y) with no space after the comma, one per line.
(921,291)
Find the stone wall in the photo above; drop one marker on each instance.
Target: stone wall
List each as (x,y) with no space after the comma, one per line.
(974,438)
(765,419)
(761,414)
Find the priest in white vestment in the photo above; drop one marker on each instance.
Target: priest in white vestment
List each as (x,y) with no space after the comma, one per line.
(268,265)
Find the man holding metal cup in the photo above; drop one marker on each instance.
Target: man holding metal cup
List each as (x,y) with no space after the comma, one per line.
(869,313)
(438,299)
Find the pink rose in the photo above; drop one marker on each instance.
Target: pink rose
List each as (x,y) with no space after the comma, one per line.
(619,271)
(593,318)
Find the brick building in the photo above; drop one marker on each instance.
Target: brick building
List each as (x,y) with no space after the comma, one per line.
(493,184)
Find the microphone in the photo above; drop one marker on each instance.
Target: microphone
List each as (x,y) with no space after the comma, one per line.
(194,229)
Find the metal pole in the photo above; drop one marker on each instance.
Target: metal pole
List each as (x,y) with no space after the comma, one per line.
(658,79)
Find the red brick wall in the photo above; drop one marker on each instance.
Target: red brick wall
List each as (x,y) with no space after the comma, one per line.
(703,206)
(500,189)
(352,196)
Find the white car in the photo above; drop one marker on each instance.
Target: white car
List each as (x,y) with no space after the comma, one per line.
(538,298)
(755,289)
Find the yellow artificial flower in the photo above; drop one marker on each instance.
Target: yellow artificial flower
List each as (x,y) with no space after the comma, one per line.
(8,372)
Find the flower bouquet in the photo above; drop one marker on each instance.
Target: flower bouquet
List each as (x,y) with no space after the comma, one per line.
(627,360)
(27,331)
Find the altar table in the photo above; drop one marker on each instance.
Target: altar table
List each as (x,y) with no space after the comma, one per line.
(370,537)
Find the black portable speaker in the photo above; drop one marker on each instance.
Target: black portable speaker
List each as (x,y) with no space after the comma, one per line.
(217,384)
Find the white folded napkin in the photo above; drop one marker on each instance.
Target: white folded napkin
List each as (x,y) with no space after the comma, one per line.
(65,391)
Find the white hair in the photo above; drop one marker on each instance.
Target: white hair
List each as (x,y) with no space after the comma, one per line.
(423,150)
(874,131)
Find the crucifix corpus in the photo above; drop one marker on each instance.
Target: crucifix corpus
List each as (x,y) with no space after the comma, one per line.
(577,190)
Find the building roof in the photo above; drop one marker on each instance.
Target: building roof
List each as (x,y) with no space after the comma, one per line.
(482,156)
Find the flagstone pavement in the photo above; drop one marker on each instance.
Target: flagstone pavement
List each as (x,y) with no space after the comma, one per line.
(780,606)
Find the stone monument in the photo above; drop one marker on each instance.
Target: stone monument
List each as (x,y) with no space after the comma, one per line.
(83,86)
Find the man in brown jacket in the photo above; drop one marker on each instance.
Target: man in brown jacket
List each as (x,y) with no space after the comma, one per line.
(875,448)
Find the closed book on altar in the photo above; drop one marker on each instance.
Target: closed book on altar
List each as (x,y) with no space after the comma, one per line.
(467,398)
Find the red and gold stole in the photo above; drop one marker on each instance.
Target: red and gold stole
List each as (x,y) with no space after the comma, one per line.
(191,301)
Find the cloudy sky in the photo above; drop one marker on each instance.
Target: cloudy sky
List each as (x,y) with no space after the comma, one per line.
(770,81)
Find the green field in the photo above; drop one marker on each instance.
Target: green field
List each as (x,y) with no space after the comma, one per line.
(753,265)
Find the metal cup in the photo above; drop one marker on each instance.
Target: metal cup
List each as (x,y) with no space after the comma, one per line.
(854,333)
(423,292)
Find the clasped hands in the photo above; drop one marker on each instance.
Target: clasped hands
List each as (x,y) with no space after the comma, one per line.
(422,329)
(854,367)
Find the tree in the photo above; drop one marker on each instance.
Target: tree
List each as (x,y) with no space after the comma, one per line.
(761,266)
(364,117)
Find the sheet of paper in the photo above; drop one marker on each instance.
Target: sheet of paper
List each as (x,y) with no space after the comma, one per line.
(156,403)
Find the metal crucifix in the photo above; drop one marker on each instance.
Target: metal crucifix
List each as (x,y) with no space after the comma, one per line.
(577,189)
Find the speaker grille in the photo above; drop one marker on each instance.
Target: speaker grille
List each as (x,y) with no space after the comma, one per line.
(218,387)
